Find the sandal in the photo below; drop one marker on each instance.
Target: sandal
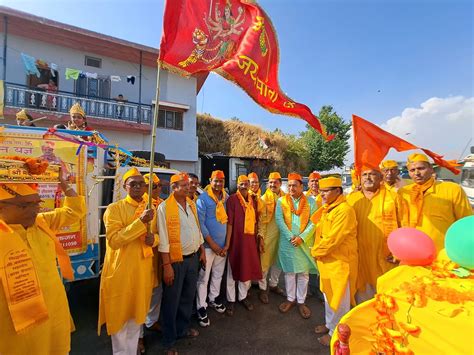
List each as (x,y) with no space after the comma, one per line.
(246,303)
(263,296)
(171,351)
(321,329)
(286,306)
(304,310)
(230,309)
(277,290)
(325,340)
(192,333)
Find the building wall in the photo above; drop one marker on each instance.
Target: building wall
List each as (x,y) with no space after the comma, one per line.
(175,145)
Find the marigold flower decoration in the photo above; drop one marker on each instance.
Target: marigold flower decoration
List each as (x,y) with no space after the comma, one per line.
(35,166)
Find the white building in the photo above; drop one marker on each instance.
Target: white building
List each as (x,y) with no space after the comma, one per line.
(101,60)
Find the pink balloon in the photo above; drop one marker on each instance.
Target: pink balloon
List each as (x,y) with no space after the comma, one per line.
(411,246)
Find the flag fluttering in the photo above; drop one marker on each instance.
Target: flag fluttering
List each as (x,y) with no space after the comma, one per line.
(372,143)
(234,38)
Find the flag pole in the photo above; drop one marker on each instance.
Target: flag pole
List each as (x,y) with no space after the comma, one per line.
(153,135)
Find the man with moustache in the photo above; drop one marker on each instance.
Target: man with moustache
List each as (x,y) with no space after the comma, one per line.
(432,205)
(293,212)
(378,213)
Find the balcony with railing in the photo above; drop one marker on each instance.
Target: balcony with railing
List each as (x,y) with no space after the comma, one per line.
(59,102)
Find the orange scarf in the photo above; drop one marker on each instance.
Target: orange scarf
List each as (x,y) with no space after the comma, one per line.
(250,215)
(270,203)
(140,207)
(303,211)
(20,282)
(221,214)
(416,199)
(323,211)
(173,226)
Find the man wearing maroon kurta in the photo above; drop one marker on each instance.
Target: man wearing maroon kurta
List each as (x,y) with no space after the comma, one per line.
(242,244)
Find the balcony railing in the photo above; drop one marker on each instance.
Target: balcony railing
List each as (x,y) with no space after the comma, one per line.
(20,96)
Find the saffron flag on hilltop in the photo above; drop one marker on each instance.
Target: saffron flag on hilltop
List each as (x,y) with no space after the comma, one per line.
(234,38)
(372,143)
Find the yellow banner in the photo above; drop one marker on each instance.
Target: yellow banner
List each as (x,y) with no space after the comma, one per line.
(61,153)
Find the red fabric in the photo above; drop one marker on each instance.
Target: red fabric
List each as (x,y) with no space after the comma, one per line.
(371,145)
(243,251)
(237,41)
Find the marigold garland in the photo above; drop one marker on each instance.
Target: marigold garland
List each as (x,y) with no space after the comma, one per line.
(35,166)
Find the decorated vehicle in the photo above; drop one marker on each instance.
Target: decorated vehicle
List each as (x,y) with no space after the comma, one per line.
(92,166)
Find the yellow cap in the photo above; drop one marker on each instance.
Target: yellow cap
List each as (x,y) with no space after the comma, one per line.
(21,115)
(8,191)
(156,179)
(179,177)
(388,164)
(294,176)
(328,182)
(217,174)
(242,178)
(274,175)
(416,157)
(252,176)
(132,172)
(76,108)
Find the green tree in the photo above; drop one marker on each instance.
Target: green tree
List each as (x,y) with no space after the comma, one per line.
(324,155)
(295,155)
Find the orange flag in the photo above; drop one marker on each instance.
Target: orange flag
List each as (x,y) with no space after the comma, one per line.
(372,143)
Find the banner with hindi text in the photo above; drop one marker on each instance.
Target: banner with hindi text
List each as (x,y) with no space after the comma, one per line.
(60,154)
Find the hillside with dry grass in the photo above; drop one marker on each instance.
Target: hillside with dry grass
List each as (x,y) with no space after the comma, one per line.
(236,138)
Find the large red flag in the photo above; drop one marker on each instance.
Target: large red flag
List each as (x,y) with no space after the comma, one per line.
(372,143)
(234,38)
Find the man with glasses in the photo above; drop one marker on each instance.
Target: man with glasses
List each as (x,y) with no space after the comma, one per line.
(292,214)
(127,276)
(211,208)
(391,175)
(378,212)
(182,251)
(335,251)
(34,310)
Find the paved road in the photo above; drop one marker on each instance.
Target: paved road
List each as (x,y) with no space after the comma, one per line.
(263,331)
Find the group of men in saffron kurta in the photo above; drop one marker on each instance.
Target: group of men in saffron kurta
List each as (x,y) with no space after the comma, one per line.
(163,259)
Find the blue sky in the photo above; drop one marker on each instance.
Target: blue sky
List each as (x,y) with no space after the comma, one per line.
(372,58)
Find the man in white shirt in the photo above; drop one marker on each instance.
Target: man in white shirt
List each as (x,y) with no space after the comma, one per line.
(181,248)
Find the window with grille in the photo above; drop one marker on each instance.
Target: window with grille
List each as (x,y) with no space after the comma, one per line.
(91,87)
(93,62)
(170,119)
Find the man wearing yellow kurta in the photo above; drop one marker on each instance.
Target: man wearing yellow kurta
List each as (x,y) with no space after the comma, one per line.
(127,275)
(391,175)
(271,236)
(378,212)
(181,249)
(313,191)
(34,320)
(151,321)
(432,205)
(335,251)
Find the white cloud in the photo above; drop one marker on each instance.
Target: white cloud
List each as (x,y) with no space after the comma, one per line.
(443,125)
